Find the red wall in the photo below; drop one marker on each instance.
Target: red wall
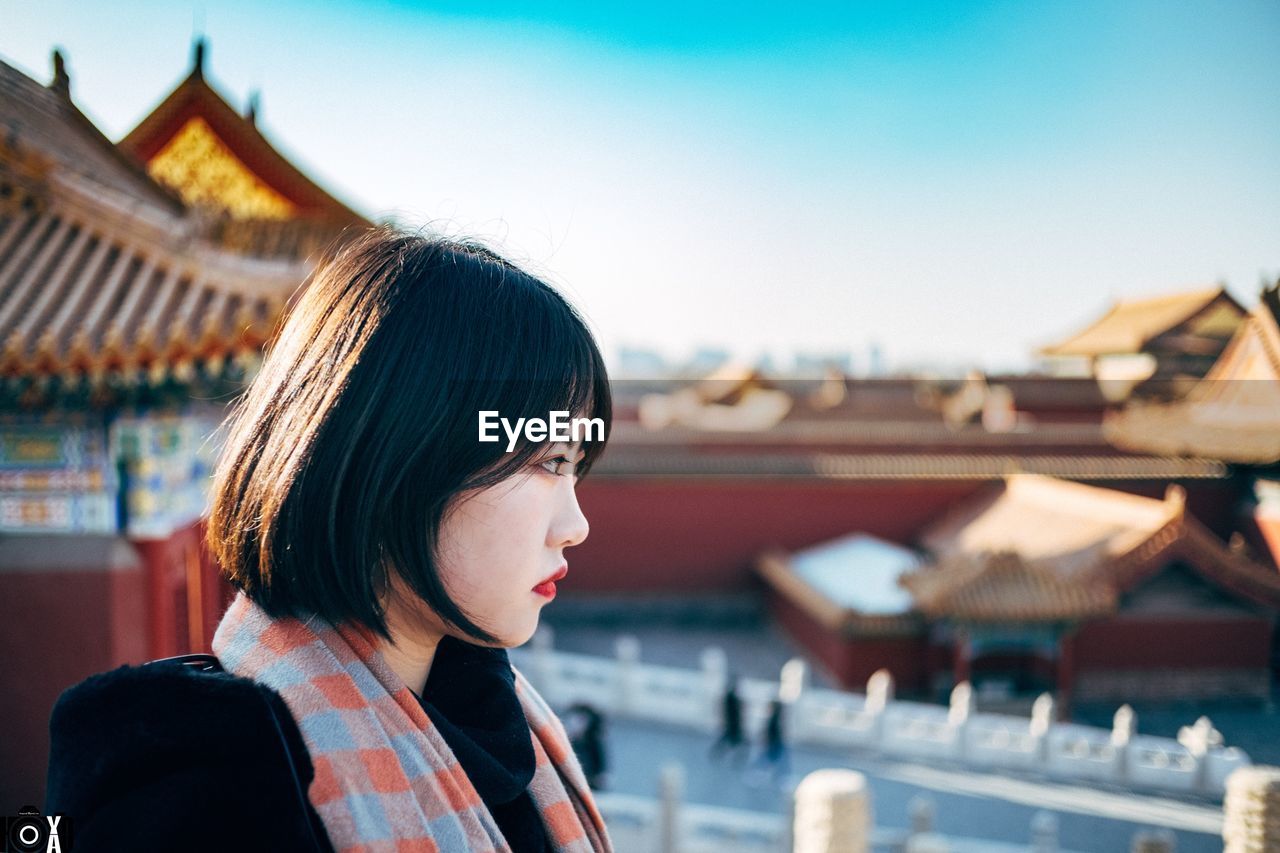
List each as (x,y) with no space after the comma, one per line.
(1188,642)
(672,535)
(57,628)
(851,661)
(186,596)
(669,535)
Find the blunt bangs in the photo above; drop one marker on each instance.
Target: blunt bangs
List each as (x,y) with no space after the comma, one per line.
(349,448)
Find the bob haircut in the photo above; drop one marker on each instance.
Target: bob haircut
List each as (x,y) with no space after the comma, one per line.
(345,452)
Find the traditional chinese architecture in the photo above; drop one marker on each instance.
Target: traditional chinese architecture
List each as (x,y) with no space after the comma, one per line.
(687,501)
(1038,584)
(1178,336)
(219,163)
(131,311)
(1232,414)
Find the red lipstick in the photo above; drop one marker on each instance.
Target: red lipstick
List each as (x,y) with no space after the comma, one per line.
(548,586)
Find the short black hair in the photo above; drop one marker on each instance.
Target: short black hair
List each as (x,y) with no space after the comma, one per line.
(343,454)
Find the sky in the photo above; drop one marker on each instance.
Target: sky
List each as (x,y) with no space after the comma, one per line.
(957,183)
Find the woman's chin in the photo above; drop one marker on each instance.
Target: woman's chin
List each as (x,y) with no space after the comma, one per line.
(524,634)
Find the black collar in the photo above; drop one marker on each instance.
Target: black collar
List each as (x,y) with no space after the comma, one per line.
(470,696)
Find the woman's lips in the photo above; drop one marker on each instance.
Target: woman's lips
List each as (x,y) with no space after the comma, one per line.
(548,586)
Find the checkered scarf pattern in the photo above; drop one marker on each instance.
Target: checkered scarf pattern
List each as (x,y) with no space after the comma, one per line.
(385,779)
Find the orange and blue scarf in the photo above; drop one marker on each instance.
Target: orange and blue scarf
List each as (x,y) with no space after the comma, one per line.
(385,779)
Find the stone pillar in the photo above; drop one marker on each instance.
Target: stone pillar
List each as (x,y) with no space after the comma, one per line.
(627,650)
(1043,714)
(715,680)
(1124,725)
(879,695)
(1251,810)
(832,813)
(670,789)
(963,704)
(1198,739)
(792,682)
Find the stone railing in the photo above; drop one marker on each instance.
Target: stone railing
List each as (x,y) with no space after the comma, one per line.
(876,723)
(830,812)
(826,823)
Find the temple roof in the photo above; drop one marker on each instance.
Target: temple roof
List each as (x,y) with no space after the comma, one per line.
(195,142)
(1186,321)
(1045,518)
(104,277)
(1035,548)
(1003,587)
(1232,414)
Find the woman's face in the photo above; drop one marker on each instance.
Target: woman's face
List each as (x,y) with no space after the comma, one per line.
(500,542)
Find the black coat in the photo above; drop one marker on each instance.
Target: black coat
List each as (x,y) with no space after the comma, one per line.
(174,757)
(165,757)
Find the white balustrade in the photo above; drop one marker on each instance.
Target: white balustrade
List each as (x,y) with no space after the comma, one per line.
(1197,762)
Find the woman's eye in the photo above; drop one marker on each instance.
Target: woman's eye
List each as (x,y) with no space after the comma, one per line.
(558,464)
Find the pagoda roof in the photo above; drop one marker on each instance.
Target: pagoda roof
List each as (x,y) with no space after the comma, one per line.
(80,297)
(1131,326)
(1004,587)
(1035,548)
(195,98)
(1232,414)
(103,275)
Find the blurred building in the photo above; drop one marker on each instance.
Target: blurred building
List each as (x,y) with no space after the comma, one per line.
(1041,584)
(138,286)
(1160,345)
(1232,414)
(702,479)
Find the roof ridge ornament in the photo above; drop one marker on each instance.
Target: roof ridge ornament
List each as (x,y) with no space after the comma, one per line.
(198,51)
(61,82)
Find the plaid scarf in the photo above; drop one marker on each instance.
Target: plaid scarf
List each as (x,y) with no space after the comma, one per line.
(385,779)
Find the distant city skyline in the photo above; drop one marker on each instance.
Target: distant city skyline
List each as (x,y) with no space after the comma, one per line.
(956,184)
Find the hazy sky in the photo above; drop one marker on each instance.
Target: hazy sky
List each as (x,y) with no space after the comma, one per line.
(961,182)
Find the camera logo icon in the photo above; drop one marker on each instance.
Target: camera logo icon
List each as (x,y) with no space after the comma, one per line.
(31,832)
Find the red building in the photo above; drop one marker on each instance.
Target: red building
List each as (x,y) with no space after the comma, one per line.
(1041,584)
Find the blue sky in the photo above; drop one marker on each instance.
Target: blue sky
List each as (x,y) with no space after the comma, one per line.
(960,182)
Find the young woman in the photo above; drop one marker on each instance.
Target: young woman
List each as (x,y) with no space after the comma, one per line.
(386,557)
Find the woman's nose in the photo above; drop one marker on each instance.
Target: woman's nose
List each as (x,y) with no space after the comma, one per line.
(570,527)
